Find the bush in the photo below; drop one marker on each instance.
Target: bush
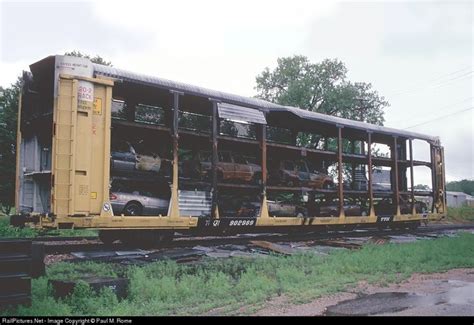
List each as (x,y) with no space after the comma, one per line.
(465,213)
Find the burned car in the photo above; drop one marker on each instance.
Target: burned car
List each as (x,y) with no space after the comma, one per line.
(249,207)
(330,208)
(230,167)
(125,157)
(297,173)
(135,199)
(386,206)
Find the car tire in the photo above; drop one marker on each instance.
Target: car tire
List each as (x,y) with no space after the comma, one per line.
(257,179)
(133,209)
(327,185)
(220,176)
(291,183)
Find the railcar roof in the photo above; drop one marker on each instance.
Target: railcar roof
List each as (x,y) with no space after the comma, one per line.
(256,103)
(262,105)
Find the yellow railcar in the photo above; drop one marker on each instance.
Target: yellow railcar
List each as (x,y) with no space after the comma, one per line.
(71,110)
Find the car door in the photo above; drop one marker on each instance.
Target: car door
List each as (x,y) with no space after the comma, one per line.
(303,172)
(226,165)
(287,209)
(123,157)
(242,171)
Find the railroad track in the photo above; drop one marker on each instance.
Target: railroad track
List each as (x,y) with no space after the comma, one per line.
(66,245)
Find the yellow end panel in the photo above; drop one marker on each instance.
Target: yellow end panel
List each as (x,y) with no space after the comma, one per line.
(81,149)
(99,148)
(63,142)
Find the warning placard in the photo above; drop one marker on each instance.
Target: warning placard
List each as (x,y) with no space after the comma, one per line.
(97,106)
(85,95)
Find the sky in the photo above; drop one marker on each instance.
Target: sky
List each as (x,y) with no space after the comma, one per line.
(417,54)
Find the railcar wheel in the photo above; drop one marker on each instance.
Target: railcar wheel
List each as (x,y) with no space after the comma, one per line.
(412,225)
(108,237)
(146,238)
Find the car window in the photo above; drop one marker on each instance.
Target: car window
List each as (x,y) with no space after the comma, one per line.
(206,156)
(146,193)
(301,167)
(288,165)
(225,157)
(239,160)
(120,146)
(334,201)
(251,160)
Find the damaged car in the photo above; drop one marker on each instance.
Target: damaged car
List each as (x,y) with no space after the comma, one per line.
(298,173)
(230,167)
(125,157)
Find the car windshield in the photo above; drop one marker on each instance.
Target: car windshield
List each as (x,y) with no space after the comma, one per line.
(136,188)
(288,165)
(301,167)
(145,148)
(205,156)
(225,157)
(239,159)
(120,146)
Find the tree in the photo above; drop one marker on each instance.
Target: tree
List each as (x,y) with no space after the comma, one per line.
(465,185)
(320,87)
(422,187)
(8,125)
(96,59)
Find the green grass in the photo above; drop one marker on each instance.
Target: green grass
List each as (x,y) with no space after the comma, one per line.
(7,231)
(242,285)
(462,214)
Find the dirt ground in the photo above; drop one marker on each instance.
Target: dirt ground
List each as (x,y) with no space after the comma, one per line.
(441,294)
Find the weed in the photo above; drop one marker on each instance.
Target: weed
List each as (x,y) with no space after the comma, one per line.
(238,285)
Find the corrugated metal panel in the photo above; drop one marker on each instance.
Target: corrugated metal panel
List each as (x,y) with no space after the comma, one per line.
(354,124)
(252,102)
(195,203)
(240,113)
(180,86)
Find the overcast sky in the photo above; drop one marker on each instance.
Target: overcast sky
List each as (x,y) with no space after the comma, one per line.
(419,55)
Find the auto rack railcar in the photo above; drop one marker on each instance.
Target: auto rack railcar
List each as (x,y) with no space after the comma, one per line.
(72,112)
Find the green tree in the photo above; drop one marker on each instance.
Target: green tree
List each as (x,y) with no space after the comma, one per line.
(8,125)
(465,185)
(96,59)
(320,87)
(422,187)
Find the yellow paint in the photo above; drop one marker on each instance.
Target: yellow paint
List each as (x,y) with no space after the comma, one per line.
(97,109)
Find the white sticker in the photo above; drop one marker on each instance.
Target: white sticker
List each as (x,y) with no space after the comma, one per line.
(85,95)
